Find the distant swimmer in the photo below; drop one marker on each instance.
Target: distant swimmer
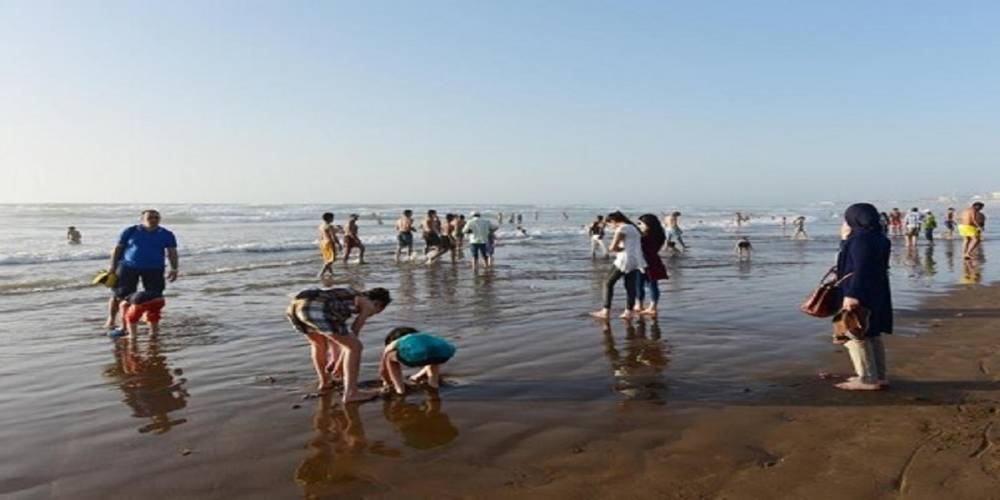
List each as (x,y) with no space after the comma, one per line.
(511,221)
(500,218)
(536,215)
(377,217)
(352,240)
(565,216)
(673,223)
(949,222)
(328,244)
(446,241)
(522,231)
(404,234)
(596,231)
(886,222)
(520,218)
(913,221)
(743,248)
(971,223)
(73,237)
(800,228)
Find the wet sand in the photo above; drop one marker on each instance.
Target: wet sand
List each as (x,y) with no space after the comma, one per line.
(790,435)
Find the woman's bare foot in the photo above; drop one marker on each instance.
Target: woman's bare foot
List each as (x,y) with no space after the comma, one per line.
(627,315)
(602,314)
(359,396)
(652,313)
(857,385)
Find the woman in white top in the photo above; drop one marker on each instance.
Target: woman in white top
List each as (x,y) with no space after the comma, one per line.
(629,263)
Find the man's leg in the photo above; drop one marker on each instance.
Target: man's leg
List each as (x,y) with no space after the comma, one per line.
(113,304)
(361,256)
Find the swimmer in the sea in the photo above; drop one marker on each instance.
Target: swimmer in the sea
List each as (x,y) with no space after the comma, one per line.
(800,228)
(404,234)
(352,240)
(743,248)
(73,236)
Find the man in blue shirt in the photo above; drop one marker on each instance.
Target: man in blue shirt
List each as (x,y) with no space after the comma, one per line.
(139,256)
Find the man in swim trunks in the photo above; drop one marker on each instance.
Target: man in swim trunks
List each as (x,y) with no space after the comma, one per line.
(328,244)
(459,232)
(139,256)
(352,241)
(431,228)
(674,228)
(743,248)
(971,223)
(800,228)
(321,315)
(949,222)
(596,231)
(404,234)
(73,236)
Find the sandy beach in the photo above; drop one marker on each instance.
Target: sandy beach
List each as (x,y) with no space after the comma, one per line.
(720,398)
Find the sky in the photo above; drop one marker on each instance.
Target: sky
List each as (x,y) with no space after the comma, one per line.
(512,101)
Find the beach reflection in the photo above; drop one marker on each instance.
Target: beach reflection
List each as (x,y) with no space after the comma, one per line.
(338,452)
(334,460)
(151,388)
(423,426)
(638,369)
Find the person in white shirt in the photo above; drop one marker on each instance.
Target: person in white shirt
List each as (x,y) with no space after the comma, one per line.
(479,231)
(914,221)
(629,263)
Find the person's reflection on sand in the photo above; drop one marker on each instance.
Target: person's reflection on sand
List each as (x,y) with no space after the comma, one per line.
(949,255)
(424,426)
(639,372)
(972,272)
(930,265)
(335,453)
(148,383)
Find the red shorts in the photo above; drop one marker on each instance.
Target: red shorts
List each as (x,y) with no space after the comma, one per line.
(151,309)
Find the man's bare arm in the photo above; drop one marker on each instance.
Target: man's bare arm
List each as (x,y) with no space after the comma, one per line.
(116,255)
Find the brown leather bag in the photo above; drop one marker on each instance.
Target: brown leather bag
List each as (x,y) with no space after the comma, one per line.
(825,300)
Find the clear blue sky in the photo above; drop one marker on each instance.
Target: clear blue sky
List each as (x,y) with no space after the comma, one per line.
(506,101)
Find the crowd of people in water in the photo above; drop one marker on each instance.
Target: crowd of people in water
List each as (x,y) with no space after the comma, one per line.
(331,319)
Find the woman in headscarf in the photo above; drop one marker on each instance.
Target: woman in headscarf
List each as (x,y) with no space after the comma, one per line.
(653,238)
(864,253)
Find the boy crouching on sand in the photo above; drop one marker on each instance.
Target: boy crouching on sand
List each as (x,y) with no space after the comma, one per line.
(407,346)
(137,305)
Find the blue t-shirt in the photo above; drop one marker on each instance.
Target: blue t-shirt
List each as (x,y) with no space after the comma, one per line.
(145,249)
(419,349)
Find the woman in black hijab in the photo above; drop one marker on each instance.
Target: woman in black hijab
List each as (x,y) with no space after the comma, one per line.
(864,252)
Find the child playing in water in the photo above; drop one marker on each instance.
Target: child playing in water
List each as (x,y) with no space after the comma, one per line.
(321,315)
(134,307)
(407,346)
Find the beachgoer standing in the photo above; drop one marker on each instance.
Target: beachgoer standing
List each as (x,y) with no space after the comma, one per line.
(897,222)
(743,249)
(800,228)
(971,223)
(431,232)
(73,236)
(404,234)
(596,231)
(913,223)
(930,224)
(628,263)
(459,232)
(139,256)
(885,222)
(653,238)
(673,223)
(864,254)
(328,244)
(479,231)
(352,240)
(949,222)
